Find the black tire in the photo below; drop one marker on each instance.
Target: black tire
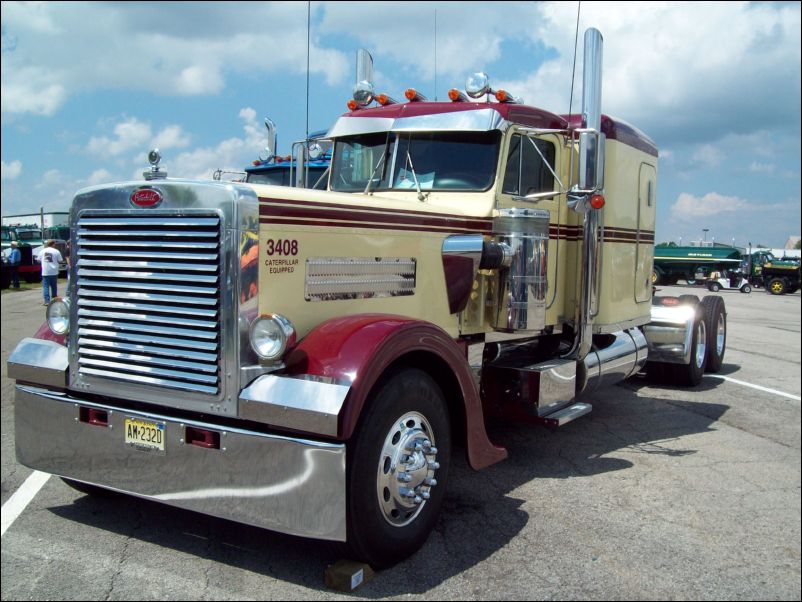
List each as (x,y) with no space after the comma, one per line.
(746,288)
(691,281)
(88,489)
(691,374)
(716,322)
(776,286)
(385,523)
(714,287)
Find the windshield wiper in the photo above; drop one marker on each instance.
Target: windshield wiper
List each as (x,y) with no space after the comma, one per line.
(421,196)
(378,163)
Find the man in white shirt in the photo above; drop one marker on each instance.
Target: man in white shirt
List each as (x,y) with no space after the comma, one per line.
(51,261)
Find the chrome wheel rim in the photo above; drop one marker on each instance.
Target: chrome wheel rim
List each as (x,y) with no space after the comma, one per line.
(721,334)
(407,465)
(701,346)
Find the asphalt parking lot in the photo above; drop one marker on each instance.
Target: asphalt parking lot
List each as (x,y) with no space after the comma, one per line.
(659,493)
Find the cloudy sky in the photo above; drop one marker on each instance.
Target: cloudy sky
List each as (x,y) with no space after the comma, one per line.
(88,88)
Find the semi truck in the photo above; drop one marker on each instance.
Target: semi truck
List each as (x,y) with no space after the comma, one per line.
(692,264)
(306,166)
(309,361)
(778,276)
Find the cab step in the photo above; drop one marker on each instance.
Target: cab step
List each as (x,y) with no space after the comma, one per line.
(565,415)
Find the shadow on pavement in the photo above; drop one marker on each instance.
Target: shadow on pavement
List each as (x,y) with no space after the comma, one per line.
(480,515)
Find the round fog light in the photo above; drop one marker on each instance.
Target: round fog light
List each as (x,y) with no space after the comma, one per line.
(271,335)
(58,316)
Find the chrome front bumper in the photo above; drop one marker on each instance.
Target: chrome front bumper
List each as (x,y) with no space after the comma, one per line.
(285,484)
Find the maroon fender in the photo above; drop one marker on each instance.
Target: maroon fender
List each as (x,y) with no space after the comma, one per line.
(358,349)
(46,334)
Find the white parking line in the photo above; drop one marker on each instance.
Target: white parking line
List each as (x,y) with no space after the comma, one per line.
(758,387)
(21,498)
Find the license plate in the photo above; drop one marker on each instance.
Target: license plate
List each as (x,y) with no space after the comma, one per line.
(144,434)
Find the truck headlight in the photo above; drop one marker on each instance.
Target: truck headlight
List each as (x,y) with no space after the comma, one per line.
(271,335)
(58,316)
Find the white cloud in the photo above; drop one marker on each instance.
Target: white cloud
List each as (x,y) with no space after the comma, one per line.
(10,171)
(133,134)
(230,154)
(166,49)
(708,156)
(767,168)
(99,176)
(690,207)
(171,137)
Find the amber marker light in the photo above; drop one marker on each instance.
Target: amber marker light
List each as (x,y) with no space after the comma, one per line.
(457,96)
(413,95)
(352,105)
(384,100)
(597,201)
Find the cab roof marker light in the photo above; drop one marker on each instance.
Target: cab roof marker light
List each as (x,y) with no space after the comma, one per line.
(504,96)
(384,100)
(414,96)
(457,96)
(352,105)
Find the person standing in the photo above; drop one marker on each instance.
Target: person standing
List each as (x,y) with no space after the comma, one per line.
(14,260)
(51,262)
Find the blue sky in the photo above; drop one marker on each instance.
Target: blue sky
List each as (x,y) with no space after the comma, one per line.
(88,88)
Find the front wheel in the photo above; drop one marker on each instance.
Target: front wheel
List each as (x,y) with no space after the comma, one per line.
(746,288)
(714,287)
(398,467)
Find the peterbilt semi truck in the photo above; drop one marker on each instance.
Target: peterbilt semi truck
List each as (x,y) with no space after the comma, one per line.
(310,361)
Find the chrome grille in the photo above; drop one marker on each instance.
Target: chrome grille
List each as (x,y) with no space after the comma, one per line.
(148,300)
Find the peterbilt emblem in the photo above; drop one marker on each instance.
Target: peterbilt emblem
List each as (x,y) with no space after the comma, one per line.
(146,197)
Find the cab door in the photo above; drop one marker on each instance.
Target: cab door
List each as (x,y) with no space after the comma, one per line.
(644,254)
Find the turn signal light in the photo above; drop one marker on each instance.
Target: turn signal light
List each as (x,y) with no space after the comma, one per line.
(597,201)
(352,105)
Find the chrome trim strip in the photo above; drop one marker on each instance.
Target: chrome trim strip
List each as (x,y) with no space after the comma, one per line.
(40,362)
(301,404)
(479,120)
(173,353)
(287,484)
(329,278)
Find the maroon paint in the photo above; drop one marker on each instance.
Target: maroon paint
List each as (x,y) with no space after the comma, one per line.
(358,349)
(616,129)
(459,272)
(46,334)
(516,113)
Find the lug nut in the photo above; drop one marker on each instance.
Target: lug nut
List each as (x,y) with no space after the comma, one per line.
(404,477)
(431,482)
(417,501)
(434,465)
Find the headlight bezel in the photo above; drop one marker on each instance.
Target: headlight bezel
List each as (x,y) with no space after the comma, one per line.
(58,316)
(271,335)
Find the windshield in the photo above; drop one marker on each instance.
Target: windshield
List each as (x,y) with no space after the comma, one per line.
(281,177)
(423,161)
(29,234)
